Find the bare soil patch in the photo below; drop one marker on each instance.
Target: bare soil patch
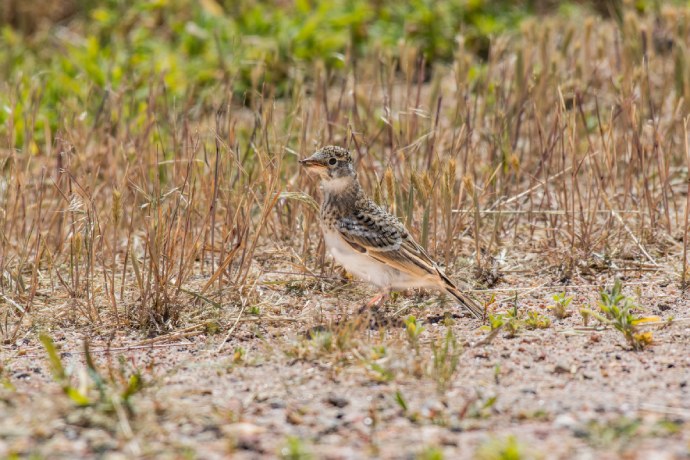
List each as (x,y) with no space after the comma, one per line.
(351,391)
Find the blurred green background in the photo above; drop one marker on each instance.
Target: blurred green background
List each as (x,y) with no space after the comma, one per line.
(65,56)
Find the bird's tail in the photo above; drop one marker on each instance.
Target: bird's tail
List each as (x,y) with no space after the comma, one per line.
(466,301)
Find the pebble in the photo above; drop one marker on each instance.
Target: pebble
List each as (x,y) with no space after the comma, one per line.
(337,401)
(566,421)
(561,368)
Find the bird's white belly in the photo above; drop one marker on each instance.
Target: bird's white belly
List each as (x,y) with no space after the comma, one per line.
(365,267)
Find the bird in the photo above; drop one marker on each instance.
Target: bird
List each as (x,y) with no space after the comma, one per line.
(368,241)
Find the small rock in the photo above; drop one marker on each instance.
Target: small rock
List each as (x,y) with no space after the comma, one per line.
(431,408)
(276,404)
(566,421)
(242,429)
(293,417)
(337,401)
(246,436)
(561,368)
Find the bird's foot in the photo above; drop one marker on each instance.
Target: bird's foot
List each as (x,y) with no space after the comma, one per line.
(377,301)
(375,315)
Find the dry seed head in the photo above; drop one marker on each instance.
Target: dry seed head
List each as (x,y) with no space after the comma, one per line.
(435,168)
(589,24)
(428,185)
(117,206)
(408,56)
(418,184)
(377,193)
(390,184)
(76,204)
(77,244)
(514,162)
(415,179)
(451,170)
(631,24)
(468,183)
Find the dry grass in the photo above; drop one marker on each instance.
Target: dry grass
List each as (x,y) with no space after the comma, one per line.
(560,161)
(568,144)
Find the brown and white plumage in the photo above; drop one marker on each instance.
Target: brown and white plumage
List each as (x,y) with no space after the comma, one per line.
(368,241)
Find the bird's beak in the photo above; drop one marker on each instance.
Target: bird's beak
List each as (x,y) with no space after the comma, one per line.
(311,162)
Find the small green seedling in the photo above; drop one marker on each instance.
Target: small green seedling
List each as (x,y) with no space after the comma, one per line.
(414,329)
(513,322)
(510,321)
(560,306)
(585,313)
(431,453)
(496,321)
(535,320)
(400,399)
(238,355)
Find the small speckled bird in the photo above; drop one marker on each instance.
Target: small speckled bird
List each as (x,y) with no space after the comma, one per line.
(368,241)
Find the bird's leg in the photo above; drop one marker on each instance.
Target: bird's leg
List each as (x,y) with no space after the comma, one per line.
(376,302)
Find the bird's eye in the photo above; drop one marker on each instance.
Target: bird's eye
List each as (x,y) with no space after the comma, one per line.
(332,161)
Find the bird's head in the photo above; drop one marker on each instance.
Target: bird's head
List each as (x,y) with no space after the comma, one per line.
(333,164)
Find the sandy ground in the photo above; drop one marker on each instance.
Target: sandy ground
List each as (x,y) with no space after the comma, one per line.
(277,389)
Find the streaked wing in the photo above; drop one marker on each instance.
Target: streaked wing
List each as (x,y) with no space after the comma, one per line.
(382,237)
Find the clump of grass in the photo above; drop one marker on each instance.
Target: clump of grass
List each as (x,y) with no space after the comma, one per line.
(379,372)
(616,309)
(431,453)
(607,433)
(295,449)
(479,407)
(446,356)
(323,341)
(110,392)
(501,449)
(336,341)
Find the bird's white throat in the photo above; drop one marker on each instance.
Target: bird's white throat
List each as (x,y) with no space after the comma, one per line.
(336,185)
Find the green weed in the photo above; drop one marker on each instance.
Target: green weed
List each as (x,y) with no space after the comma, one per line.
(501,449)
(616,309)
(295,449)
(560,306)
(511,321)
(618,431)
(414,330)
(400,399)
(535,320)
(431,453)
(114,388)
